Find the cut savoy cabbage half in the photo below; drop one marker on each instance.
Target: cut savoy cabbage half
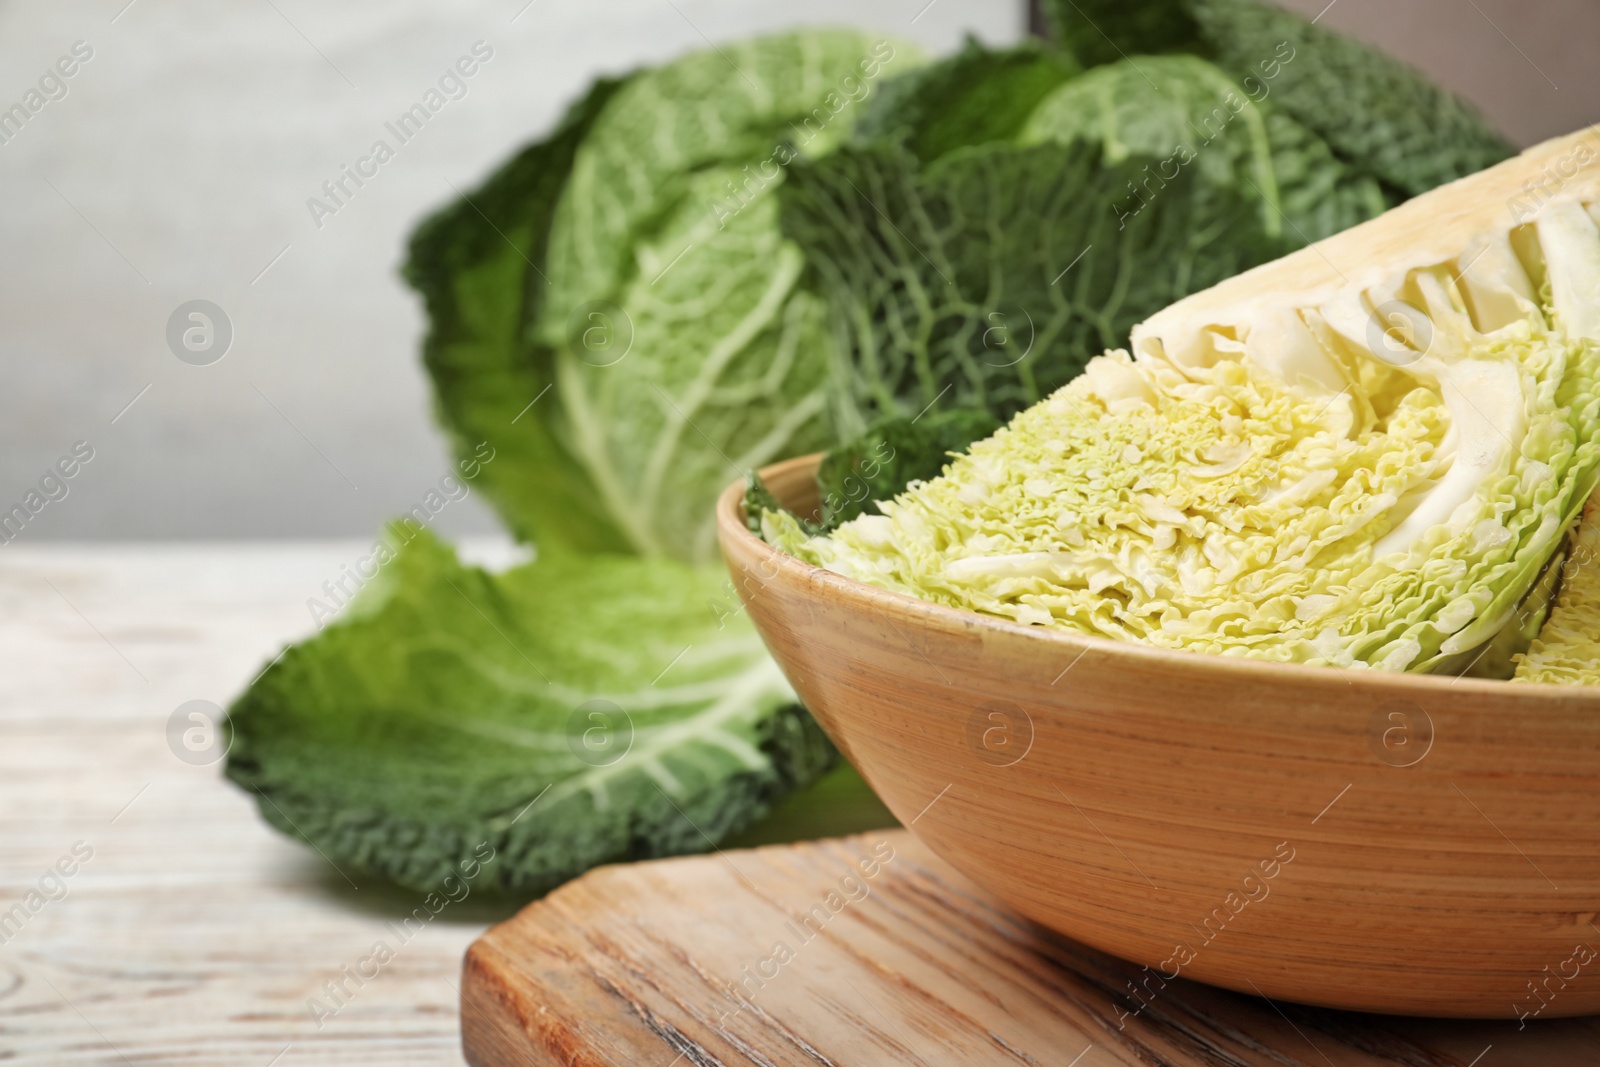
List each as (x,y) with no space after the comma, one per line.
(1363,455)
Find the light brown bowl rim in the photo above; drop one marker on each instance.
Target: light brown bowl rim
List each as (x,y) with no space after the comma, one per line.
(732,531)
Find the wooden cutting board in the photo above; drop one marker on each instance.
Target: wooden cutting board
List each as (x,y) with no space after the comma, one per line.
(869,951)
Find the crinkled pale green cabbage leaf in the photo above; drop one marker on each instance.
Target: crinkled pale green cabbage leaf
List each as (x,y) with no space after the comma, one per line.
(1332,493)
(616,310)
(568,712)
(1567,648)
(473,265)
(687,352)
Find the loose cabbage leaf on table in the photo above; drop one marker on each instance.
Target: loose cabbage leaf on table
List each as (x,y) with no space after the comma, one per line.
(568,712)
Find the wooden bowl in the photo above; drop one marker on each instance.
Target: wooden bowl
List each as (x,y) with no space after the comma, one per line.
(1381,842)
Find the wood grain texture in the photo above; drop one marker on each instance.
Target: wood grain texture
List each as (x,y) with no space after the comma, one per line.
(662,963)
(195,934)
(1258,826)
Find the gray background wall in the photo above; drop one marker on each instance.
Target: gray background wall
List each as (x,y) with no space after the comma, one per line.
(179,163)
(1529,65)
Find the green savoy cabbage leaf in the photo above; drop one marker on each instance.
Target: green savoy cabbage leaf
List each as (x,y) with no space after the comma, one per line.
(473,264)
(877,465)
(1188,113)
(894,453)
(1336,491)
(1378,115)
(977,95)
(686,350)
(568,712)
(616,309)
(988,278)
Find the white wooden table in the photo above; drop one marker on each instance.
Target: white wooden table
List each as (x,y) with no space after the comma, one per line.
(195,934)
